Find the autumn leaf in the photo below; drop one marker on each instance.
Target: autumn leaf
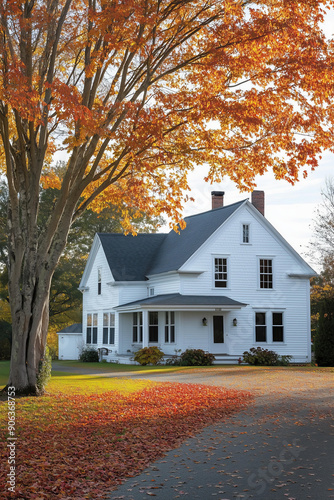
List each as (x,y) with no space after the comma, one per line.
(74,446)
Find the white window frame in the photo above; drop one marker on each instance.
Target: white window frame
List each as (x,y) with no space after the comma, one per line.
(277,342)
(265,312)
(137,327)
(93,324)
(99,280)
(152,326)
(170,327)
(269,324)
(244,224)
(266,257)
(226,257)
(108,327)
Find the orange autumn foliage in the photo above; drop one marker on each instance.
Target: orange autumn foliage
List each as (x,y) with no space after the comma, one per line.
(142,91)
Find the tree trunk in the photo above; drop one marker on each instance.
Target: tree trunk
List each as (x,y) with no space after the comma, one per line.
(32,260)
(29,334)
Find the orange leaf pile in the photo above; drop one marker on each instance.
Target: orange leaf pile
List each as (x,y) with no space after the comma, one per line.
(82,446)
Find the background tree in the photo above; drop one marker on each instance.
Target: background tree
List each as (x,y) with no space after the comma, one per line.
(135,93)
(324,333)
(321,249)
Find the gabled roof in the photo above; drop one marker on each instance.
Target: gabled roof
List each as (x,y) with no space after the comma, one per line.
(133,258)
(129,257)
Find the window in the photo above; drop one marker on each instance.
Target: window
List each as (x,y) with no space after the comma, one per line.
(89,329)
(108,328)
(245,233)
(260,327)
(94,328)
(153,326)
(99,281)
(266,273)
(220,272)
(91,332)
(150,291)
(278,329)
(170,327)
(137,327)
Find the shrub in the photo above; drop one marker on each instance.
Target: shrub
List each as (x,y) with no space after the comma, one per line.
(196,357)
(259,356)
(44,372)
(175,358)
(324,335)
(148,355)
(53,352)
(89,355)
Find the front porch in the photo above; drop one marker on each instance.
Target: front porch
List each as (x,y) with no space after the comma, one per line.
(176,322)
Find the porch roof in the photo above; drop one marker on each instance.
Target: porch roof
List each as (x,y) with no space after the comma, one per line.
(183,302)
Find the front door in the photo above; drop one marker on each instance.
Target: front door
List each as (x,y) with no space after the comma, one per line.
(218,333)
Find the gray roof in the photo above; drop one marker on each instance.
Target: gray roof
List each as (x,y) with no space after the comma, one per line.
(76,328)
(133,258)
(129,257)
(176,299)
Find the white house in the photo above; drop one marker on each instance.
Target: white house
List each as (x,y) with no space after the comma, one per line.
(227,282)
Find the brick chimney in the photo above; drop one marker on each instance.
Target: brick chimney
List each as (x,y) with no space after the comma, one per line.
(217,199)
(258,201)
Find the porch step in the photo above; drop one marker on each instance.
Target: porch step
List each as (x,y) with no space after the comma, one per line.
(226,359)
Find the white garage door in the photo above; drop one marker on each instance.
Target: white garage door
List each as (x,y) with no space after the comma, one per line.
(69,345)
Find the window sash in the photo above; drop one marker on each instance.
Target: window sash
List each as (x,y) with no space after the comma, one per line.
(266,273)
(260,327)
(137,327)
(153,327)
(278,328)
(99,281)
(220,272)
(88,335)
(245,233)
(112,335)
(170,327)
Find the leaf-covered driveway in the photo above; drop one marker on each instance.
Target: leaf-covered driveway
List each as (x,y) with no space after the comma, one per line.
(282,447)
(76,445)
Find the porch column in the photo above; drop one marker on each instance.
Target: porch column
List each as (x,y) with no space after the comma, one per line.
(145,328)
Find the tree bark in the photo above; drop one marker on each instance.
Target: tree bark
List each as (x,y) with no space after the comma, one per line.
(30,318)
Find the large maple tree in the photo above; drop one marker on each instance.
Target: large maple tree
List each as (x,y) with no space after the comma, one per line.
(135,93)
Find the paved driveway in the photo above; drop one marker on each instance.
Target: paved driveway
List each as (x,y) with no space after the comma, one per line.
(281,447)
